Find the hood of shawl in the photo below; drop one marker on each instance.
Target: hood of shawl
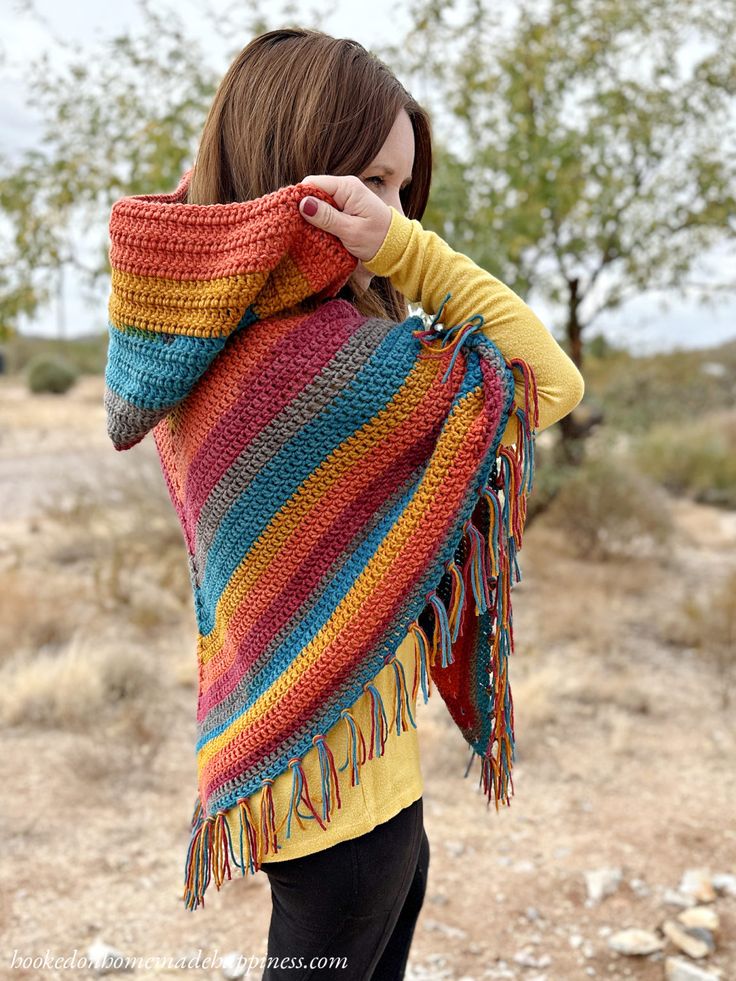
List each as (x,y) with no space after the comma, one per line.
(185,277)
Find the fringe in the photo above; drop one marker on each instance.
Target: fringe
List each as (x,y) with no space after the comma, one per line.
(211,847)
(487,571)
(491,560)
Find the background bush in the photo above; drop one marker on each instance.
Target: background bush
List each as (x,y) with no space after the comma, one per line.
(697,458)
(608,509)
(50,374)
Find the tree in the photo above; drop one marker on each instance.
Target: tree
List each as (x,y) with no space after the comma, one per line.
(122,117)
(601,167)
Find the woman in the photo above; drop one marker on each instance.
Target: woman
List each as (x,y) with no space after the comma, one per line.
(209,285)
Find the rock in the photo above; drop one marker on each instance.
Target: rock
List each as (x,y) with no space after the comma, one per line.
(678,969)
(635,942)
(697,883)
(693,941)
(673,898)
(532,913)
(602,882)
(106,959)
(640,887)
(526,958)
(724,882)
(700,916)
(524,865)
(455,848)
(436,926)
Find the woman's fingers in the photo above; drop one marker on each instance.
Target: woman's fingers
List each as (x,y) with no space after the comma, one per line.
(360,220)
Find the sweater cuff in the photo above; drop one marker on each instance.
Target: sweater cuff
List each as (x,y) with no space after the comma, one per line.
(393,246)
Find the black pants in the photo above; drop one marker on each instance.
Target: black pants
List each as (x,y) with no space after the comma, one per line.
(357,901)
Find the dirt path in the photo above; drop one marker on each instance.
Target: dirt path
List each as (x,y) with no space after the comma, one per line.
(625,759)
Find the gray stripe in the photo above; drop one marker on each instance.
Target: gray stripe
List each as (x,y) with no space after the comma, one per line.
(127,422)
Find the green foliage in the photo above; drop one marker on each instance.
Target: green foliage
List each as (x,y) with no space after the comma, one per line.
(608,509)
(601,348)
(50,374)
(589,183)
(697,458)
(118,119)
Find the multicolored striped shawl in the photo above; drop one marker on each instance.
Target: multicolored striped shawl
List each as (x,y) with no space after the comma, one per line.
(340,482)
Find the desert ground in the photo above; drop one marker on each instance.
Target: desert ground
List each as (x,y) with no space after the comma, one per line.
(625,770)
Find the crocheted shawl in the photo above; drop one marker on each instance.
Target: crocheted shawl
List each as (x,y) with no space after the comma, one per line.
(340,482)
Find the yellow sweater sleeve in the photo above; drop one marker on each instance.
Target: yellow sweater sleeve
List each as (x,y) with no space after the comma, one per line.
(424,268)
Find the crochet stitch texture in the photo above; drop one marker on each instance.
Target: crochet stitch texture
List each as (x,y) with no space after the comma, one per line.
(339,481)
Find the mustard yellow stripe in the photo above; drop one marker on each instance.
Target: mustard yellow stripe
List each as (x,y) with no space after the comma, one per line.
(201,308)
(453,435)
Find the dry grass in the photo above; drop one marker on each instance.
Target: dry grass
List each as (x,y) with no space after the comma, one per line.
(708,625)
(29,623)
(77,684)
(126,535)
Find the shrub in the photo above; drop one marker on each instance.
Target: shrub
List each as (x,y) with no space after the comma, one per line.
(696,458)
(50,374)
(608,509)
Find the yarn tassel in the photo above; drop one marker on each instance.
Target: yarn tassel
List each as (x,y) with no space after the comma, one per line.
(268,818)
(353,731)
(402,698)
(475,567)
(457,599)
(421,654)
(328,775)
(378,721)
(299,793)
(207,858)
(442,630)
(248,827)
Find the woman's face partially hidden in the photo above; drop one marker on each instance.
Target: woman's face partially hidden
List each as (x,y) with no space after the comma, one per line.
(388,172)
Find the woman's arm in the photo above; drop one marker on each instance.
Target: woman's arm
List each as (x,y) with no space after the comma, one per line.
(424,268)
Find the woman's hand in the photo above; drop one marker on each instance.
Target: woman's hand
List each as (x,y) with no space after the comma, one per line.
(361,223)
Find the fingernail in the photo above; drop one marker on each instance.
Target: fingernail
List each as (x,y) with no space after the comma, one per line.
(309,207)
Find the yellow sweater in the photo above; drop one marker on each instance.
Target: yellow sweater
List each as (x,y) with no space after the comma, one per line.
(424,268)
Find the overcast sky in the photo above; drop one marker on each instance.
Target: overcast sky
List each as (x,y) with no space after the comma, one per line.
(641,324)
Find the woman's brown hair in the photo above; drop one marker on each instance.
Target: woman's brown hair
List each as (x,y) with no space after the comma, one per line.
(296,101)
